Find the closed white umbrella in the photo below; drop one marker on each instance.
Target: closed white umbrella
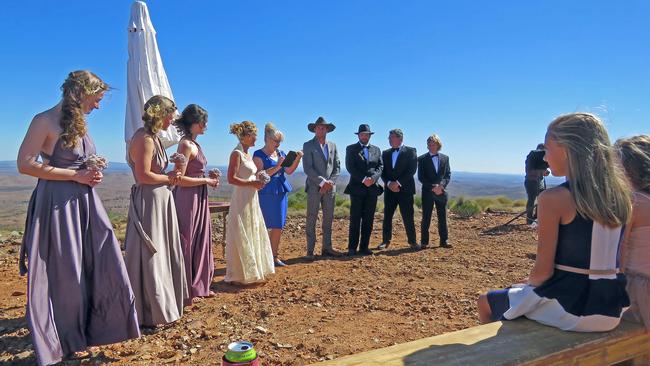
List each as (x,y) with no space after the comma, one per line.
(146,75)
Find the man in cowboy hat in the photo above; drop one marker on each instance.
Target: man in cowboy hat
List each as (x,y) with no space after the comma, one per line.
(363,162)
(322,166)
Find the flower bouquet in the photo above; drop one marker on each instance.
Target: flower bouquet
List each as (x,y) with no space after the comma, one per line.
(96,163)
(263,176)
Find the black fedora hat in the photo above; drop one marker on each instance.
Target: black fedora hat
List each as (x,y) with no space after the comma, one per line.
(364,128)
(321,122)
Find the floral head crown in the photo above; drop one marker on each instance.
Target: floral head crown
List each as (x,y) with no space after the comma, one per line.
(158,110)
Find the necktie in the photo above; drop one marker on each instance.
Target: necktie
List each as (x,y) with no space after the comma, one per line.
(326,152)
(365,152)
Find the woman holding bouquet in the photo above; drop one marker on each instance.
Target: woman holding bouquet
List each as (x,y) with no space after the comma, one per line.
(248,251)
(191,197)
(274,196)
(78,291)
(154,257)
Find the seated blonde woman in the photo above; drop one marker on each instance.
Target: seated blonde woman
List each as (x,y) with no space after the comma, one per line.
(575,284)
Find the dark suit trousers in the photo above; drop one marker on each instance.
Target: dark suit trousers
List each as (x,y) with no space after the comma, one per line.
(429,199)
(362,215)
(405,203)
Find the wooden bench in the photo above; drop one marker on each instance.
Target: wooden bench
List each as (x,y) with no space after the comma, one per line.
(519,342)
(222,208)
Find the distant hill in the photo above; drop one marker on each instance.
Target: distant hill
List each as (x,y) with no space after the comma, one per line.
(15,189)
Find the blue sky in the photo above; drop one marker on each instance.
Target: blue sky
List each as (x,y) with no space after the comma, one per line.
(486,76)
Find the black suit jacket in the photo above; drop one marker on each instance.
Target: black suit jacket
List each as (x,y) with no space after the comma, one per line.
(427,174)
(359,168)
(405,167)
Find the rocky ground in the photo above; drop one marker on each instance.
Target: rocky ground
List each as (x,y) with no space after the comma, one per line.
(310,312)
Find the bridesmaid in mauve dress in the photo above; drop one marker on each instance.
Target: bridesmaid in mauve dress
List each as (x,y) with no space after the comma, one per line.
(78,291)
(191,197)
(154,258)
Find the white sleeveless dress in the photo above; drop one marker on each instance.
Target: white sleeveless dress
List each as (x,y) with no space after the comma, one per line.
(248,249)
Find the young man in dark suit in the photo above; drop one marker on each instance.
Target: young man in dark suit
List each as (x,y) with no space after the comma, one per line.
(363,162)
(400,163)
(434,174)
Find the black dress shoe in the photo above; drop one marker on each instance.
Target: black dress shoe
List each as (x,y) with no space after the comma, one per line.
(416,246)
(383,246)
(352,252)
(331,253)
(445,244)
(424,246)
(365,251)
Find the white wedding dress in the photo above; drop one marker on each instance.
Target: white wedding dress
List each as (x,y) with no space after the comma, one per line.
(248,250)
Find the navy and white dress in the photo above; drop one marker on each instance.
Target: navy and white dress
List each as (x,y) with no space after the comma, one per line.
(581,302)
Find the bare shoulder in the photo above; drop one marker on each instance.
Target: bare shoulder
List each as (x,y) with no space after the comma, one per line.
(556,196)
(48,120)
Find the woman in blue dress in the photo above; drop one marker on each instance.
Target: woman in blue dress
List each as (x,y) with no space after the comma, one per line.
(274,196)
(574,284)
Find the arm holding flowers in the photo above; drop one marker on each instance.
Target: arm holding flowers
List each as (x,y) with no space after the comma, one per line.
(39,135)
(189,151)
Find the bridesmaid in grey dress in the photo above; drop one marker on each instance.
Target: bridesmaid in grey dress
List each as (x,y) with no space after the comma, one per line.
(77,286)
(154,258)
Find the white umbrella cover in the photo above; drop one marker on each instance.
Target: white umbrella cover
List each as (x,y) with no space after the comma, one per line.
(146,75)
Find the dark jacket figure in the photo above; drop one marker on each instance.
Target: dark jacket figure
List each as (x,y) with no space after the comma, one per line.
(434,173)
(363,162)
(400,163)
(536,169)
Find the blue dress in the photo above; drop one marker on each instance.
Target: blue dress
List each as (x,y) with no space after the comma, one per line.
(569,300)
(274,196)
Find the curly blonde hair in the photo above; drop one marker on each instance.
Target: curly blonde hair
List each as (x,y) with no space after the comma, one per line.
(156,109)
(76,87)
(635,155)
(243,129)
(598,185)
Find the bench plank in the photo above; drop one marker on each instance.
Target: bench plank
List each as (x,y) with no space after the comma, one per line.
(519,342)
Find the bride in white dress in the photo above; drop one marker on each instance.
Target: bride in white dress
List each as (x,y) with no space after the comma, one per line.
(248,250)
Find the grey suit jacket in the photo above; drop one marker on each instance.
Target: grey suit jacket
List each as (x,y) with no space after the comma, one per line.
(316,167)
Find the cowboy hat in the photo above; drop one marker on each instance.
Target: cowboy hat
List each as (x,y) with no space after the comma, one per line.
(321,122)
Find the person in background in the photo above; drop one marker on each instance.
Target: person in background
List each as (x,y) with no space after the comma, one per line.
(363,162)
(536,170)
(575,284)
(635,254)
(249,258)
(154,257)
(274,196)
(434,173)
(322,166)
(192,205)
(75,263)
(400,163)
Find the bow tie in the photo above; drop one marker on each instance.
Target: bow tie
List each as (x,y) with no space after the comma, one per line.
(433,155)
(394,149)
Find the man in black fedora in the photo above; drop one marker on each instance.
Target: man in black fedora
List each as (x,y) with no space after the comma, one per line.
(400,164)
(363,162)
(322,166)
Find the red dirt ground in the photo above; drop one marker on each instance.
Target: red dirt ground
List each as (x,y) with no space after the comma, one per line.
(310,312)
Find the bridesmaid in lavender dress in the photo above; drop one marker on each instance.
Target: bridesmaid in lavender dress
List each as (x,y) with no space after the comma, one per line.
(77,286)
(191,196)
